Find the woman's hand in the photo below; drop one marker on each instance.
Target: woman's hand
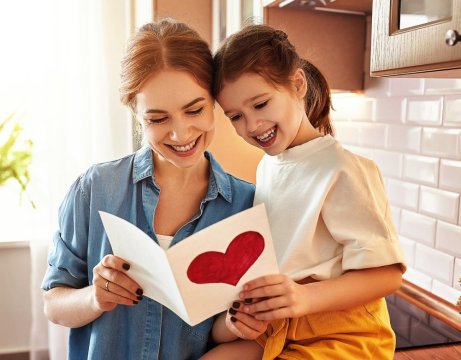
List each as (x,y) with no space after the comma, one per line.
(243,325)
(112,286)
(274,297)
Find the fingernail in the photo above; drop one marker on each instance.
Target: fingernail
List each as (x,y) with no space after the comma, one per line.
(233,319)
(139,292)
(235,305)
(139,297)
(232,311)
(248,300)
(126,266)
(135,302)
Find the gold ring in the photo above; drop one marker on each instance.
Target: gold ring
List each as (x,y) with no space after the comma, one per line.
(107,286)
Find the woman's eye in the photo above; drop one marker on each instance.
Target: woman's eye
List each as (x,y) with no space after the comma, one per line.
(261,104)
(155,121)
(195,112)
(235,117)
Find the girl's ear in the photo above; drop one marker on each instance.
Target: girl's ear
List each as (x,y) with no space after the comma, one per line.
(300,83)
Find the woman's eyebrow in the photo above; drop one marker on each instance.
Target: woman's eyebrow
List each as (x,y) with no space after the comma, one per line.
(189,104)
(193,102)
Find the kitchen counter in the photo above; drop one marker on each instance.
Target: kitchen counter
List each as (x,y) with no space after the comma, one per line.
(442,352)
(426,327)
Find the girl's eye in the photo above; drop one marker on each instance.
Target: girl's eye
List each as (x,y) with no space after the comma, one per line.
(261,104)
(195,112)
(235,117)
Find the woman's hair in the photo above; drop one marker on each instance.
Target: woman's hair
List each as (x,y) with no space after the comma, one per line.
(267,52)
(164,45)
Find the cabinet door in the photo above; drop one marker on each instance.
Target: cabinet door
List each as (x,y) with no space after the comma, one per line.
(408,36)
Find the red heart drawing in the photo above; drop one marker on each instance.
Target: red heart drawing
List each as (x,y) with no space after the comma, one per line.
(228,267)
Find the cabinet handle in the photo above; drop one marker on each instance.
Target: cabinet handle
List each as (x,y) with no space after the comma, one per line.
(452,37)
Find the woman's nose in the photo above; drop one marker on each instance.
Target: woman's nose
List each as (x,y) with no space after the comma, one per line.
(180,131)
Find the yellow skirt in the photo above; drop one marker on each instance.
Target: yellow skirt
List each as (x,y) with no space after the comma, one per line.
(359,333)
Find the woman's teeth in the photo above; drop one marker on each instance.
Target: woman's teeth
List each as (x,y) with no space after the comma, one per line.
(267,135)
(184,148)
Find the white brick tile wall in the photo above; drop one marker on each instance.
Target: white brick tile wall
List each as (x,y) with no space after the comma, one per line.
(452,111)
(347,132)
(418,278)
(409,247)
(424,170)
(445,291)
(418,227)
(448,238)
(420,122)
(457,275)
(450,175)
(445,143)
(434,263)
(406,86)
(440,204)
(404,138)
(403,194)
(373,135)
(424,111)
(442,86)
(390,163)
(389,110)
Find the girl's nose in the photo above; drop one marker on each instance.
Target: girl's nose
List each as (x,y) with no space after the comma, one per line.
(253,123)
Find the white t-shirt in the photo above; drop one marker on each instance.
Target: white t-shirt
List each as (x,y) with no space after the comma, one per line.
(327,210)
(164,241)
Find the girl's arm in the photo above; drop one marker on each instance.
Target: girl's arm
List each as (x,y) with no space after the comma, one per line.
(288,299)
(77,307)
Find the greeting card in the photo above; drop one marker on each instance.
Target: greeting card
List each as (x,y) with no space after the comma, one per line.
(203,274)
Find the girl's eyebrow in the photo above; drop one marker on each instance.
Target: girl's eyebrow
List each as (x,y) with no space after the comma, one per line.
(253,98)
(189,104)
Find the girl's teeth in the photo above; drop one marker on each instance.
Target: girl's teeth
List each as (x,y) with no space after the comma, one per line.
(185,147)
(266,136)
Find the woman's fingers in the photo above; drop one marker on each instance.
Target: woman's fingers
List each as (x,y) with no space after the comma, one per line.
(112,284)
(245,326)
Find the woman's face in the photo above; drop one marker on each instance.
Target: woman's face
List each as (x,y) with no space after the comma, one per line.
(272,119)
(177,117)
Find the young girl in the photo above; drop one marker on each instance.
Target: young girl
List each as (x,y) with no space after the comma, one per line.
(337,248)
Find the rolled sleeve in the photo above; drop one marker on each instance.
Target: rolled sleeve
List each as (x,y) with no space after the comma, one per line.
(357,214)
(67,259)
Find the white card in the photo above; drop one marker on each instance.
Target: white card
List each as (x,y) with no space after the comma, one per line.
(203,274)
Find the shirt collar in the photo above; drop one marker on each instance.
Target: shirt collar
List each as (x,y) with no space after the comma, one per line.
(143,167)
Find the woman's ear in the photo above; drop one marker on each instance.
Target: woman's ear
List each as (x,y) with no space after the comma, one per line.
(300,83)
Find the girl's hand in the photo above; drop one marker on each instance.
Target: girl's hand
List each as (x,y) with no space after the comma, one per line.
(243,325)
(281,298)
(112,286)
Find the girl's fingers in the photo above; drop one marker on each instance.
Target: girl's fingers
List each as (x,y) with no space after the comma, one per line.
(264,281)
(264,292)
(266,305)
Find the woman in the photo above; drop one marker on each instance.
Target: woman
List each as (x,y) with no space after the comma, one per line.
(170,189)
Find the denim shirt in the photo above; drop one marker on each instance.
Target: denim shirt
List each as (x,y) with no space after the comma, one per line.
(125,188)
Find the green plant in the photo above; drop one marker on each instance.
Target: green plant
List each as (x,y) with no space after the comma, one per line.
(15,156)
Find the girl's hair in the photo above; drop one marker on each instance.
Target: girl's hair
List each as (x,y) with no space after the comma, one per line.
(164,45)
(266,51)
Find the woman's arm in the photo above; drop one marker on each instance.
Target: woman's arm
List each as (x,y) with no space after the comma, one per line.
(232,326)
(70,307)
(77,307)
(287,299)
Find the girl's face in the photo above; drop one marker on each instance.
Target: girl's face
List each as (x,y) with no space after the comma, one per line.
(177,117)
(267,117)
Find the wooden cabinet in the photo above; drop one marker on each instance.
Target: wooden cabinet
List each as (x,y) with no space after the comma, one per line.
(332,41)
(408,37)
